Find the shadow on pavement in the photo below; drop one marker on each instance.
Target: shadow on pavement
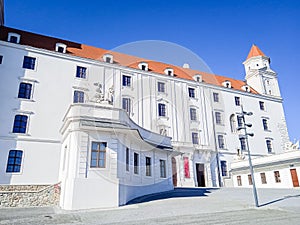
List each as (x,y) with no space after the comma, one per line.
(279,199)
(176,193)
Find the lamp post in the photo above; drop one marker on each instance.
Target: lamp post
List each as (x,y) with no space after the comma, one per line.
(245,136)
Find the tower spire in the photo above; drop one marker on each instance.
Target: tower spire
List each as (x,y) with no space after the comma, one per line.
(255,51)
(1,12)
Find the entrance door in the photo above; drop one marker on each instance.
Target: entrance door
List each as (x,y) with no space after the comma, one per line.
(174,172)
(200,175)
(294,177)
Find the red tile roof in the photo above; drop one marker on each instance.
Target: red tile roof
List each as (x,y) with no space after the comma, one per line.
(255,51)
(85,51)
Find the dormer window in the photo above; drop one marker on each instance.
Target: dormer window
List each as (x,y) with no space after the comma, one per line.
(143,66)
(14,38)
(198,77)
(227,84)
(169,72)
(246,88)
(60,47)
(108,58)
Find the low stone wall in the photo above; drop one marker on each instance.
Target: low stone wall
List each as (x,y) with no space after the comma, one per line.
(29,195)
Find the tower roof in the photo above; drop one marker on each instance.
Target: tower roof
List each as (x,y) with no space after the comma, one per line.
(255,51)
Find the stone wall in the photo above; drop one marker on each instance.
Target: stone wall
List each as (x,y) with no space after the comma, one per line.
(29,195)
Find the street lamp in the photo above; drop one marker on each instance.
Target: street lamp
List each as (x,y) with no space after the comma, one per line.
(245,136)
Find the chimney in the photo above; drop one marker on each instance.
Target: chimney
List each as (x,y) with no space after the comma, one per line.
(186,66)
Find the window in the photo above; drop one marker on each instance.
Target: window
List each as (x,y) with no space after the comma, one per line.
(269,146)
(263,178)
(127,159)
(60,49)
(144,67)
(195,138)
(29,62)
(186,167)
(191,92)
(243,144)
(136,163)
(262,105)
(14,161)
(126,105)
(78,97)
(218,118)
(20,124)
(240,121)
(161,87)
(224,168)
(216,97)
(98,156)
(265,124)
(221,142)
(233,123)
(250,179)
(81,72)
(13,39)
(239,180)
(161,109)
(193,114)
(162,165)
(1,59)
(126,81)
(148,166)
(237,101)
(277,177)
(25,90)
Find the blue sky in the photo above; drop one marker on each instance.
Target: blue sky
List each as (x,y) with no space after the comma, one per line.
(220,32)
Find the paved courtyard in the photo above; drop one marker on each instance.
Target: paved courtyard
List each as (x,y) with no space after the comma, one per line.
(181,206)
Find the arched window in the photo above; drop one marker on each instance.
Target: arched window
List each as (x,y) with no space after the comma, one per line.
(232,123)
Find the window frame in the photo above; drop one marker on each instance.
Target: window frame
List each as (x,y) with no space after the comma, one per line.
(224,168)
(237,101)
(136,163)
(27,92)
(265,124)
(218,117)
(221,141)
(243,144)
(269,146)
(127,159)
(192,92)
(262,106)
(216,97)
(263,178)
(161,87)
(277,176)
(126,80)
(193,114)
(148,166)
(126,104)
(17,161)
(98,152)
(239,180)
(78,96)
(21,127)
(81,72)
(162,168)
(29,62)
(195,138)
(162,110)
(1,59)
(250,179)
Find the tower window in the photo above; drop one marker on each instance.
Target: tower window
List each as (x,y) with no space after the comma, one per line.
(25,90)
(14,161)
(81,72)
(216,97)
(161,109)
(195,138)
(161,87)
(29,62)
(126,81)
(191,92)
(193,114)
(218,118)
(221,142)
(20,124)
(126,104)
(269,146)
(265,124)
(262,105)
(78,97)
(243,144)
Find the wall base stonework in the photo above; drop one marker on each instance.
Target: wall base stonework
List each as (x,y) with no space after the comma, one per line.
(29,195)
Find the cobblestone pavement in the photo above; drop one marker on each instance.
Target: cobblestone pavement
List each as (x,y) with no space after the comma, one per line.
(182,206)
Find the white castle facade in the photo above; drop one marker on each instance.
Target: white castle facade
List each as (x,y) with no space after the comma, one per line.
(103,127)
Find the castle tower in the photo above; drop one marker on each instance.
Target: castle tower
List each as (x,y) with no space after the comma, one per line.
(259,75)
